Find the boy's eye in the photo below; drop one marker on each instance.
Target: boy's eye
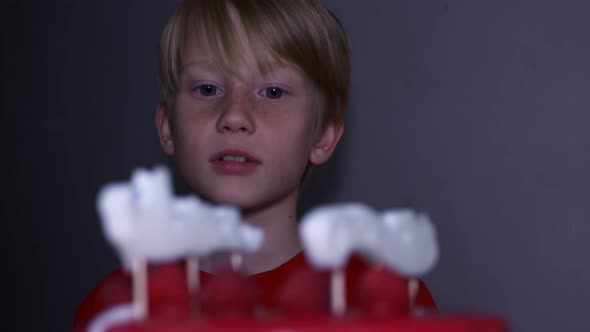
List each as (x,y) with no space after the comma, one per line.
(208,90)
(273,93)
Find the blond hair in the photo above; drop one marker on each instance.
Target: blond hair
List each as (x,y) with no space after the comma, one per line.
(302,32)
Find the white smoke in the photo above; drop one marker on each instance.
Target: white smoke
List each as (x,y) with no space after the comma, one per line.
(143,219)
(401,239)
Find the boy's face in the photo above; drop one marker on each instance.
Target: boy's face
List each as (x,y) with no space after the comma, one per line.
(243,137)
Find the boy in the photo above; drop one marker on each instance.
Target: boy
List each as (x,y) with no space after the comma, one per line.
(247,110)
(254,93)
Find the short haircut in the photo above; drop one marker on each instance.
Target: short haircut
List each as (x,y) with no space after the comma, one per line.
(302,32)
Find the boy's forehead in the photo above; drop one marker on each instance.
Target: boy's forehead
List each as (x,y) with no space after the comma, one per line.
(230,43)
(244,51)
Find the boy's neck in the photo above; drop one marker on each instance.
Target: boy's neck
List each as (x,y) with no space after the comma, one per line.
(281,238)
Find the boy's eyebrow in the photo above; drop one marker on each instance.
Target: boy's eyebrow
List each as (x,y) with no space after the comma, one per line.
(274,65)
(201,62)
(267,67)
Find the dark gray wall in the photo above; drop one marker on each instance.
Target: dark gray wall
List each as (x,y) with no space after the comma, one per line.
(476,111)
(479,112)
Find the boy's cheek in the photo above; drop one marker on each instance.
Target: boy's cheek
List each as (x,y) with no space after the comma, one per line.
(194,121)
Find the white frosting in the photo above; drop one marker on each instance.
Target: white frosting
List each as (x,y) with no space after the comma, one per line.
(409,245)
(143,219)
(402,239)
(115,315)
(330,234)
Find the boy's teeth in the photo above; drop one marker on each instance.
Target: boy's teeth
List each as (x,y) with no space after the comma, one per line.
(240,159)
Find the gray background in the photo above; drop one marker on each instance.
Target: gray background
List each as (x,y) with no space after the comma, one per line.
(475,111)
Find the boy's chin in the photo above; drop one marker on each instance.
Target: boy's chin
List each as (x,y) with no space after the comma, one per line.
(241,200)
(249,203)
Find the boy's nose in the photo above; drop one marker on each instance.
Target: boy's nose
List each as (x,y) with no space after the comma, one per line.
(236,116)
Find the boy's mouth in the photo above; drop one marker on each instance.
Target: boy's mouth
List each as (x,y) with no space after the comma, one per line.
(234,162)
(234,156)
(239,159)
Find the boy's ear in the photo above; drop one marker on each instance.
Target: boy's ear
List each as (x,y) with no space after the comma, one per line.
(326,142)
(163,126)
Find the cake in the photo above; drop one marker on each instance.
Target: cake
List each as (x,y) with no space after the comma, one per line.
(359,269)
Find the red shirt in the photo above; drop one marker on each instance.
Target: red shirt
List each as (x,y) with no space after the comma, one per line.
(169,281)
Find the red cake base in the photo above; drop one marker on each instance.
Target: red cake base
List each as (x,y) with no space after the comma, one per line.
(294,298)
(438,323)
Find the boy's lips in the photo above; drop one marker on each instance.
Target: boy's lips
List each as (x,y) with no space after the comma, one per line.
(233,161)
